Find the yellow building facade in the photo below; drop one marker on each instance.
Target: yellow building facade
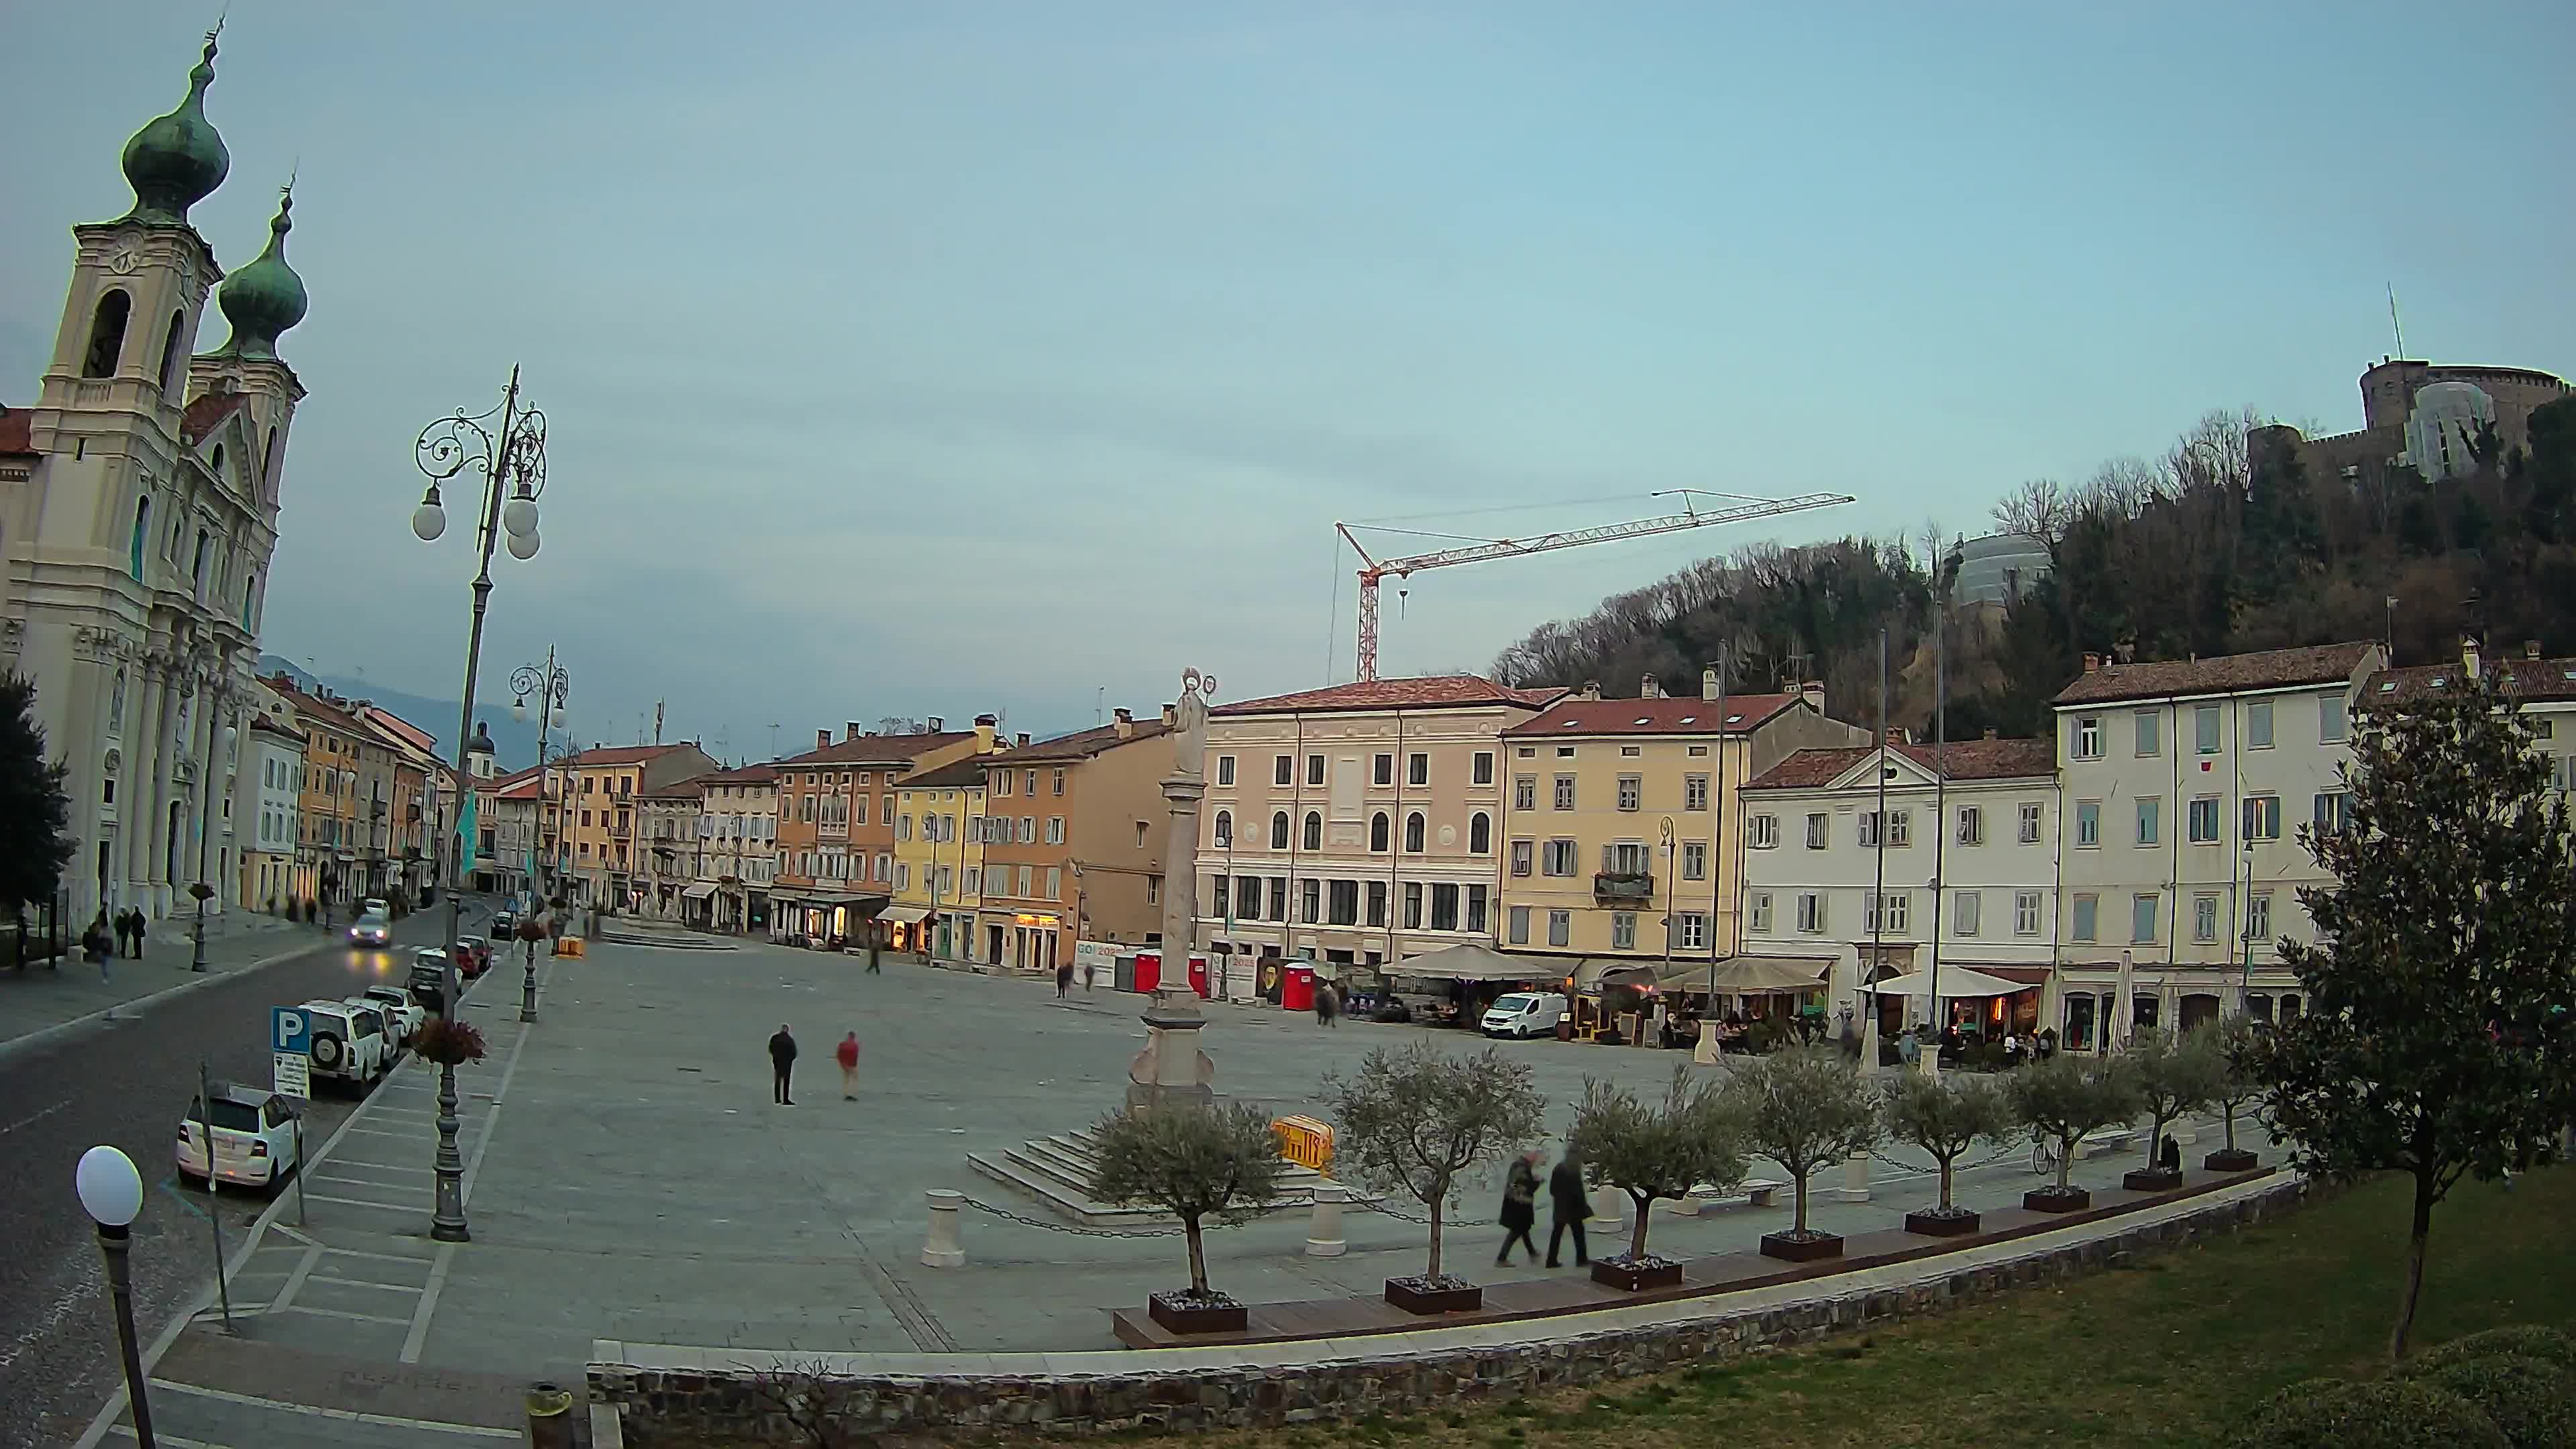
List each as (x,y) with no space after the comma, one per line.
(938,860)
(1621,837)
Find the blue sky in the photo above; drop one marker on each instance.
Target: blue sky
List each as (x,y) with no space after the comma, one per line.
(923,360)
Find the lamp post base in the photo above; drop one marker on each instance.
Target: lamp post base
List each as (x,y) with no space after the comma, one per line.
(447,1223)
(528,990)
(112,1245)
(197,957)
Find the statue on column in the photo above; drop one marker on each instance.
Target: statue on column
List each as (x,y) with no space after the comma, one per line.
(1171,1070)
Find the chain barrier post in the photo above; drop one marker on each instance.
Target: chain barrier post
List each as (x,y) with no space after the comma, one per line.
(1324,1230)
(1855,1186)
(943,1248)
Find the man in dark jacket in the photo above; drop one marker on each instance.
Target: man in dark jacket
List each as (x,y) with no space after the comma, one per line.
(1520,1206)
(782,1060)
(1565,1192)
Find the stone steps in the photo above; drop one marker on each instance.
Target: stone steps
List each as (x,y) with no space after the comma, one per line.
(1057,1171)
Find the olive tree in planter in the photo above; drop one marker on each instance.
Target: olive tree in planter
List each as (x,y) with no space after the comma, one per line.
(1805,1108)
(1650,1151)
(2058,1101)
(1200,1164)
(2233,1042)
(1413,1121)
(2173,1074)
(1944,1116)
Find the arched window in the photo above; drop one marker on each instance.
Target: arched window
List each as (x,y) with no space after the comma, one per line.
(1314,831)
(1279,830)
(142,519)
(268,464)
(170,351)
(197,565)
(250,601)
(1480,833)
(1377,831)
(1413,833)
(218,468)
(107,335)
(1224,828)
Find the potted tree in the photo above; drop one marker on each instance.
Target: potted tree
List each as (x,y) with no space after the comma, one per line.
(2234,1042)
(1652,1151)
(1413,1121)
(1804,1107)
(1944,1116)
(2173,1074)
(1199,1164)
(2058,1101)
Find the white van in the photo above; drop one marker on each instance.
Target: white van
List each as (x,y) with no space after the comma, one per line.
(1525,1013)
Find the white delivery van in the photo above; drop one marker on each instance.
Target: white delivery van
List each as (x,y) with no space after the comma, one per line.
(1525,1013)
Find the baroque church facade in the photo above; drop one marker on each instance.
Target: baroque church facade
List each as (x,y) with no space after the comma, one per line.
(138,515)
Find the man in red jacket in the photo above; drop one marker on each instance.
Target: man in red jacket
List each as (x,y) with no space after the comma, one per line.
(848,1052)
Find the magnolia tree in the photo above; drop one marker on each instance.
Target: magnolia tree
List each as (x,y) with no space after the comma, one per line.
(2173,1074)
(2059,1099)
(2435,1042)
(1653,1150)
(1804,1108)
(1200,1164)
(1944,1116)
(1414,1121)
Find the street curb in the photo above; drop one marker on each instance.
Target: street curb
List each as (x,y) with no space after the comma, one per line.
(80,1026)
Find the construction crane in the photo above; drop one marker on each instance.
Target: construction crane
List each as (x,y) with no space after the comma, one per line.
(1743,509)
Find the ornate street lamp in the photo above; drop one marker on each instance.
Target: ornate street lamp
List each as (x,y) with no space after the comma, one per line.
(551,686)
(513,465)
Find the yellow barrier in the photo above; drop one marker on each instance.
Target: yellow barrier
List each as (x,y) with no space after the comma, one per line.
(571,946)
(1305,1141)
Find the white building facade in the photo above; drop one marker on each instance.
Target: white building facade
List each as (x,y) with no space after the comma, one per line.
(1963,872)
(738,855)
(266,812)
(138,513)
(2185,782)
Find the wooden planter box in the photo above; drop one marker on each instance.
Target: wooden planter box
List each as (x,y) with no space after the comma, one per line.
(2151,1179)
(1801,1250)
(1636,1278)
(2050,1200)
(1941,1225)
(1186,1315)
(2231,1159)
(1410,1295)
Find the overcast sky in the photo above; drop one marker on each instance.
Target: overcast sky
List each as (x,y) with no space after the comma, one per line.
(927,359)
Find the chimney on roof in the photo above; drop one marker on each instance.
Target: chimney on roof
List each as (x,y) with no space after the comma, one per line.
(1992,733)
(1649,687)
(849,730)
(822,738)
(1123,721)
(1021,739)
(1708,684)
(1171,715)
(937,726)
(2530,648)
(2092,662)
(1591,690)
(987,728)
(2469,655)
(1896,734)
(1813,692)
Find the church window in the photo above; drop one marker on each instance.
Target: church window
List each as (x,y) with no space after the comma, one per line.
(170,351)
(268,463)
(142,518)
(219,463)
(197,568)
(107,335)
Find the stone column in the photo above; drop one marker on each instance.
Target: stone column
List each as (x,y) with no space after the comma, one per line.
(141,732)
(1184,788)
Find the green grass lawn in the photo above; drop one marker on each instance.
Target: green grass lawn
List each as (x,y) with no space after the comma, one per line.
(2166,1351)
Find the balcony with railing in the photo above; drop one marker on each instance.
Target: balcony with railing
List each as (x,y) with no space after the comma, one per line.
(1623,887)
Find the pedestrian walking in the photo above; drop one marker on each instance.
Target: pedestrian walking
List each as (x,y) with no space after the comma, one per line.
(1063,981)
(1565,1194)
(876,962)
(141,927)
(1323,1003)
(782,1060)
(94,944)
(848,1053)
(1520,1207)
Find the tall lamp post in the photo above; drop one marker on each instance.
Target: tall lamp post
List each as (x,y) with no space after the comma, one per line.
(551,687)
(111,1192)
(513,465)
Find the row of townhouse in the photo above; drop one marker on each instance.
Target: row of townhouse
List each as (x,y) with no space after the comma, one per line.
(340,799)
(2155,835)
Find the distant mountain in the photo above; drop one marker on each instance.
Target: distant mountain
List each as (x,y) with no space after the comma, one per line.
(514,744)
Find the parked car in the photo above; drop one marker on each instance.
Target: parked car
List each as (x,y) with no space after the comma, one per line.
(372,928)
(504,925)
(403,1015)
(254,1131)
(350,1042)
(1525,1013)
(428,981)
(473,958)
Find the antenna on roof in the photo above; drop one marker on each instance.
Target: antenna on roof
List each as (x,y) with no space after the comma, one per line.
(2394,325)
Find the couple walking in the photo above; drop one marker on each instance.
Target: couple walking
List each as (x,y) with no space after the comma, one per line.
(782,1065)
(1569,1203)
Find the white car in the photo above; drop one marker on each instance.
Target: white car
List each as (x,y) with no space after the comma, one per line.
(1524,1013)
(351,1042)
(403,1016)
(254,1137)
(372,928)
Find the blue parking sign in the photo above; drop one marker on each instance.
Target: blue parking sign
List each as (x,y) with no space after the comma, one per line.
(290,1030)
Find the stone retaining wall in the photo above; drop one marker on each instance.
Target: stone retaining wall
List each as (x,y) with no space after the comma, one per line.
(738,1402)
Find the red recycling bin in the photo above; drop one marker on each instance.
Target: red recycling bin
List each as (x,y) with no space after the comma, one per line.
(1199,976)
(1297,989)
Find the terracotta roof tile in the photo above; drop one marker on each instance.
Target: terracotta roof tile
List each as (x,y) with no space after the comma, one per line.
(1080,745)
(17,431)
(2270,669)
(747,775)
(1961,759)
(620,755)
(874,749)
(1662,716)
(2544,679)
(1431,691)
(208,413)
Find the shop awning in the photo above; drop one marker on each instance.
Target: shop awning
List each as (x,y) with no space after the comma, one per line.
(904,915)
(1956,982)
(1755,975)
(698,892)
(1475,963)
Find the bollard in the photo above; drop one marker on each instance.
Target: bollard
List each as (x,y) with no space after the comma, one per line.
(1610,1205)
(1324,1230)
(549,1416)
(1855,1186)
(943,1248)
